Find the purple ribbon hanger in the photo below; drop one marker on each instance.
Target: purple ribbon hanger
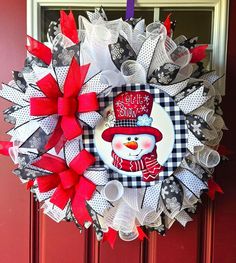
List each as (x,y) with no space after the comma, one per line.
(129,9)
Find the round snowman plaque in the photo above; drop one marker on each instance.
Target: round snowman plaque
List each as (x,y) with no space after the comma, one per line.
(142,137)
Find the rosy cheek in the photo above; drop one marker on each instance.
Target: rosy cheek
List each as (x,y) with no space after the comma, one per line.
(117,145)
(146,144)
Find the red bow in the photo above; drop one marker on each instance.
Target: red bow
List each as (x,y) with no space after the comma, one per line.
(66,105)
(69,182)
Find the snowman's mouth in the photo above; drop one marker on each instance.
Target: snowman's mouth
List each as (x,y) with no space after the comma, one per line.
(136,155)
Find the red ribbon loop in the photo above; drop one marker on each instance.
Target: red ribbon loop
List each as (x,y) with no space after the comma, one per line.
(88,102)
(198,53)
(51,163)
(84,191)
(47,182)
(68,26)
(61,196)
(75,79)
(85,188)
(82,161)
(167,24)
(71,127)
(49,87)
(39,50)
(42,106)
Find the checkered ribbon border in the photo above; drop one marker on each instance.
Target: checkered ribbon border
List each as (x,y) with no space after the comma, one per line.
(180,130)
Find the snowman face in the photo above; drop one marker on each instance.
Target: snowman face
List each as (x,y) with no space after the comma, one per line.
(133,147)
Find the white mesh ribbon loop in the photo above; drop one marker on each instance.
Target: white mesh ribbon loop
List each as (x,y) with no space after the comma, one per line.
(208,157)
(155,29)
(147,216)
(205,113)
(124,219)
(133,72)
(113,191)
(130,235)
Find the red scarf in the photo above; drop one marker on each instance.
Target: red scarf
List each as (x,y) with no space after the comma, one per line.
(147,164)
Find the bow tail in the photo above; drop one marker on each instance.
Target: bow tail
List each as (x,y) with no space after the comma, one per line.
(79,209)
(61,197)
(84,191)
(67,128)
(57,139)
(71,127)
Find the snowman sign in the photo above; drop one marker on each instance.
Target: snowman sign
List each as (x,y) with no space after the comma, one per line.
(138,137)
(132,138)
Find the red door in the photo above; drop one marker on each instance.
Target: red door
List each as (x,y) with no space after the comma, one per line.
(27,236)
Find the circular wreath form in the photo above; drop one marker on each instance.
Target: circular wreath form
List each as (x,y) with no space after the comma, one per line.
(115,125)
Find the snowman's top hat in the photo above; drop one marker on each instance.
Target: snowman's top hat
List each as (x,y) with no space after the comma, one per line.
(132,111)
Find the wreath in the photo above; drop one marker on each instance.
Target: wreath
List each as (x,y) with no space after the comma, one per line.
(116,125)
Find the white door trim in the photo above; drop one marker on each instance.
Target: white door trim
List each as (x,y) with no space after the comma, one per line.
(220,20)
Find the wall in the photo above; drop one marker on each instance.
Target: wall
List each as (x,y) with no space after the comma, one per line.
(14,200)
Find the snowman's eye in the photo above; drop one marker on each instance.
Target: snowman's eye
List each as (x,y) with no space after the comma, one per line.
(129,138)
(136,138)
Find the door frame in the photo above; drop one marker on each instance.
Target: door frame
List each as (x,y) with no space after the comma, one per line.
(220,20)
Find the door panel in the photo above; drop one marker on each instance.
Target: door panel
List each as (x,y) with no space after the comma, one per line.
(60,242)
(125,252)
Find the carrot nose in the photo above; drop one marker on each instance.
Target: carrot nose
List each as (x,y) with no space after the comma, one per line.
(132,145)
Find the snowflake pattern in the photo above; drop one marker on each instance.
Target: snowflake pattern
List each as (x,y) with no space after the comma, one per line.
(121,51)
(65,56)
(146,99)
(116,51)
(188,90)
(172,195)
(165,74)
(174,188)
(172,203)
(164,192)
(164,79)
(196,127)
(144,120)
(171,188)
